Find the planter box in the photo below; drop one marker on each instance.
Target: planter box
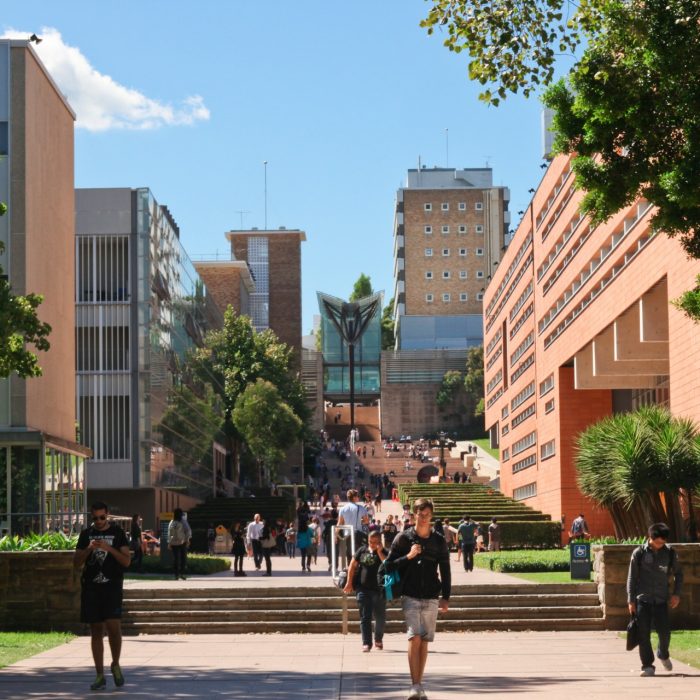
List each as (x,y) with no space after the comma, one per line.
(40,592)
(610,566)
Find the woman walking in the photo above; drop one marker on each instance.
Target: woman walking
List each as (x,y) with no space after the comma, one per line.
(238,549)
(268,540)
(304,535)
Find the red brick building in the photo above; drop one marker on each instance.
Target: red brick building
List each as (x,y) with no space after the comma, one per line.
(578,324)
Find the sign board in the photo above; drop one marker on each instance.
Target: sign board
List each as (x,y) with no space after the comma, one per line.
(580,560)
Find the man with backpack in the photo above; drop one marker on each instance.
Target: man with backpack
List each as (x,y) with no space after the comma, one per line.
(417,554)
(579,528)
(647,594)
(466,534)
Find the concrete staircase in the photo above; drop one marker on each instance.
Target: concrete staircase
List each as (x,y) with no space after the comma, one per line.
(545,607)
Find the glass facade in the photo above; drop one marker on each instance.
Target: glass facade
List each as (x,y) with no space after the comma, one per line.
(336,369)
(259,263)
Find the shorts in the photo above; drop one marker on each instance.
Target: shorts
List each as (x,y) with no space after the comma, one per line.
(421,617)
(100,603)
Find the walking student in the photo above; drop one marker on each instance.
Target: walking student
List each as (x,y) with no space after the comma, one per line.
(238,549)
(103,553)
(417,553)
(648,596)
(467,533)
(354,515)
(370,599)
(177,543)
(254,532)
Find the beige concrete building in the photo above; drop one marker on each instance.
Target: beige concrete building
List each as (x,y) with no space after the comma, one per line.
(42,470)
(450,230)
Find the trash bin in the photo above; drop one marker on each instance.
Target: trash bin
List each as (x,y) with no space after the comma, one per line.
(580,560)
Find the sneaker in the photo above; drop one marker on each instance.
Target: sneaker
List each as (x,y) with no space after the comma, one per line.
(415,692)
(379,645)
(647,671)
(118,675)
(366,648)
(666,663)
(100,683)
(423,696)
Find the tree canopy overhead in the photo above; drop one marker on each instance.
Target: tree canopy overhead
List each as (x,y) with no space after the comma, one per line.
(362,288)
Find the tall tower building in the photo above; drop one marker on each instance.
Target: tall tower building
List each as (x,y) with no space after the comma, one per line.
(450,231)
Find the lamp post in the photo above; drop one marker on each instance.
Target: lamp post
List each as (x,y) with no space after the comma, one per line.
(443,464)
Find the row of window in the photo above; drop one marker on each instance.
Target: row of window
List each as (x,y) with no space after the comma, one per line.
(528,441)
(445,206)
(447,297)
(528,461)
(527,491)
(447,274)
(461,229)
(446,252)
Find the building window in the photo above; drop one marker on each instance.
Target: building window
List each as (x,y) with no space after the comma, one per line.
(479,296)
(429,298)
(504,412)
(547,385)
(547,450)
(463,296)
(527,491)
(462,229)
(479,206)
(528,461)
(505,455)
(462,274)
(462,206)
(428,252)
(445,206)
(445,230)
(446,274)
(463,252)
(428,274)
(479,228)
(428,229)
(446,297)
(445,252)
(427,206)
(479,251)
(549,406)
(479,274)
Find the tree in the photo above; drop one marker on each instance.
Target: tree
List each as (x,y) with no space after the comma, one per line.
(387,325)
(268,424)
(20,326)
(362,288)
(474,378)
(452,382)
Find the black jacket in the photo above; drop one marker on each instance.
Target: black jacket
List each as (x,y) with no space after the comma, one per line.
(420,575)
(647,578)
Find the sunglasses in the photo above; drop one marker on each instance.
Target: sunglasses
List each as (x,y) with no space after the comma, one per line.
(99,517)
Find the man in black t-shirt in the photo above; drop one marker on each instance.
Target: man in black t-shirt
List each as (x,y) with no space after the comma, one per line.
(362,578)
(389,530)
(103,553)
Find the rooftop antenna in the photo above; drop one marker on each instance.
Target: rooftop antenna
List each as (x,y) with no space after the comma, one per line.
(488,158)
(447,148)
(265,165)
(241,212)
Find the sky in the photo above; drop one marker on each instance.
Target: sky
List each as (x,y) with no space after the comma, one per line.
(341,99)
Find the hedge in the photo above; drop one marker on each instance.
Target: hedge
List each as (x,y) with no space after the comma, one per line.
(524,560)
(196,564)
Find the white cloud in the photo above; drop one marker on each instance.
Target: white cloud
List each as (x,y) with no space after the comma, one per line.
(100,103)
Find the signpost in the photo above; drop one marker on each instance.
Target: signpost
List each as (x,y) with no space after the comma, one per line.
(580,560)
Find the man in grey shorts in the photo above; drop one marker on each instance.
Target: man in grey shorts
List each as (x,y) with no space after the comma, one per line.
(417,553)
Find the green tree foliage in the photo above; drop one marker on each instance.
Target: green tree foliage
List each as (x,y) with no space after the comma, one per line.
(362,288)
(387,326)
(19,327)
(689,302)
(474,378)
(267,423)
(644,467)
(451,384)
(629,112)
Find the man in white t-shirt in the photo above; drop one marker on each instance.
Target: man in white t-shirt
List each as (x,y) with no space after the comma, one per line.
(253,533)
(355,515)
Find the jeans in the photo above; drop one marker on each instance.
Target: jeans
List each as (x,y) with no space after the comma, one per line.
(468,555)
(266,552)
(371,603)
(291,547)
(237,562)
(305,558)
(658,614)
(178,551)
(257,553)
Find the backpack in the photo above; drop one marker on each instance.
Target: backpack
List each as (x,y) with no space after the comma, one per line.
(176,533)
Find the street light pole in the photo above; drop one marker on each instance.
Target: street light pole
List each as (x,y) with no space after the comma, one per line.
(443,464)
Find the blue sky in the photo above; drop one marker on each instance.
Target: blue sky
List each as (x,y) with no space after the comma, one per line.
(340,99)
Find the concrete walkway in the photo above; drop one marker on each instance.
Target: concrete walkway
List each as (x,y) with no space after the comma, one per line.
(322,667)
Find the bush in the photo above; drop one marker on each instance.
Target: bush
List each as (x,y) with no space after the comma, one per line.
(196,564)
(524,560)
(48,542)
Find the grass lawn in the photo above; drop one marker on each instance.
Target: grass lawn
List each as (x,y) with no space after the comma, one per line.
(485,444)
(547,577)
(15,646)
(685,646)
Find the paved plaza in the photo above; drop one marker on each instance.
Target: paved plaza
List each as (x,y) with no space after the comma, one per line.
(322,667)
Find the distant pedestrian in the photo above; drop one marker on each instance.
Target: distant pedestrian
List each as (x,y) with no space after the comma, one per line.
(467,532)
(136,542)
(103,553)
(362,580)
(177,543)
(304,535)
(650,567)
(238,549)
(291,540)
(579,528)
(494,536)
(211,539)
(253,533)
(268,542)
(354,515)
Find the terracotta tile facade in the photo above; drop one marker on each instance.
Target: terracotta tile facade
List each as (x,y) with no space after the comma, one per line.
(564,302)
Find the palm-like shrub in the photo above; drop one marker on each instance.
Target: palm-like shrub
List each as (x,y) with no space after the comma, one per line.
(644,467)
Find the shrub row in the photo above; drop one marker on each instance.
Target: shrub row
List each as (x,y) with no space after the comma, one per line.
(49,541)
(196,564)
(524,560)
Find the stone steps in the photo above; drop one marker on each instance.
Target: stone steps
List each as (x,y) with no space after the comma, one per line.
(313,610)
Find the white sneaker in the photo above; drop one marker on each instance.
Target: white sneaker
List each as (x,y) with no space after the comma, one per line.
(666,663)
(415,692)
(423,696)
